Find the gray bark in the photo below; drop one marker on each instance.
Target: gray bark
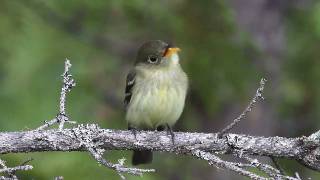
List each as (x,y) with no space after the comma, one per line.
(306,150)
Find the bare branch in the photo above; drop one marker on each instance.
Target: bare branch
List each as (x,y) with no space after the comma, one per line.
(276,173)
(297,175)
(6,178)
(12,170)
(96,141)
(68,84)
(58,178)
(185,143)
(269,170)
(3,164)
(119,167)
(18,168)
(216,161)
(243,115)
(86,139)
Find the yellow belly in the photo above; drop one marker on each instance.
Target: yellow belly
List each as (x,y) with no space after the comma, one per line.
(155,104)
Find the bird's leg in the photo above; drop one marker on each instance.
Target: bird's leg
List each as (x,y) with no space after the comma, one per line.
(133,130)
(169,131)
(161,128)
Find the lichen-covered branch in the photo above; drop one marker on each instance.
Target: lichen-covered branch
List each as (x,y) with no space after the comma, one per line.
(205,146)
(10,171)
(214,160)
(67,84)
(273,172)
(85,140)
(302,149)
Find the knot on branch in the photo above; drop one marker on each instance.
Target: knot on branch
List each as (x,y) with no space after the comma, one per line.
(315,137)
(61,118)
(87,135)
(311,157)
(232,141)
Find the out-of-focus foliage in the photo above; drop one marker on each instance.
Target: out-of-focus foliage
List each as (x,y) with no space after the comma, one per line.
(101,38)
(301,97)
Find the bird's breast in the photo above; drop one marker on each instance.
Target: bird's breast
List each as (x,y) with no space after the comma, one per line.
(158,98)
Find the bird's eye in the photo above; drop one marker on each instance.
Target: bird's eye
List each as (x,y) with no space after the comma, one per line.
(152,59)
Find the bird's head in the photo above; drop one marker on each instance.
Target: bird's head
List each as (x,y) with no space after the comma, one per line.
(157,53)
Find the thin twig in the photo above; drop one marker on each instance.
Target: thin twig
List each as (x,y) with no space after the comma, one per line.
(3,163)
(26,161)
(216,161)
(271,171)
(10,173)
(58,178)
(266,168)
(12,170)
(119,167)
(22,165)
(297,176)
(86,136)
(18,168)
(68,84)
(7,178)
(243,115)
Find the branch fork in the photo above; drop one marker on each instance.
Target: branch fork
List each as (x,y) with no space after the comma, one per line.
(84,134)
(68,83)
(10,171)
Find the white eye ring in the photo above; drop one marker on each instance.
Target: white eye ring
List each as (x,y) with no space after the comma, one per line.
(152,59)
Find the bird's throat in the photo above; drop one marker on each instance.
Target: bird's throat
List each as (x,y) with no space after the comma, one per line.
(174,59)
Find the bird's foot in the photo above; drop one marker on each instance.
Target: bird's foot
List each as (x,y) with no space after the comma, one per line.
(134,131)
(169,131)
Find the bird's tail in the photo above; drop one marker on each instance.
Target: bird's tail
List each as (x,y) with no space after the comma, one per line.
(141,157)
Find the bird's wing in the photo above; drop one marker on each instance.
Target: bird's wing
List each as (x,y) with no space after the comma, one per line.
(129,86)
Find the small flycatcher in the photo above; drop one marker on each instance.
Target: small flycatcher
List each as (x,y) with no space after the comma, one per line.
(155,91)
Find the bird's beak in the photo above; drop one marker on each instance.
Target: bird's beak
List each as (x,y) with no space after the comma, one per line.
(171,50)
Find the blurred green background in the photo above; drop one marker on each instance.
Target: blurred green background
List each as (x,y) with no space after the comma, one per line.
(227,46)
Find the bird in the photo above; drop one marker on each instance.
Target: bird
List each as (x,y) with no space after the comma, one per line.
(155,93)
